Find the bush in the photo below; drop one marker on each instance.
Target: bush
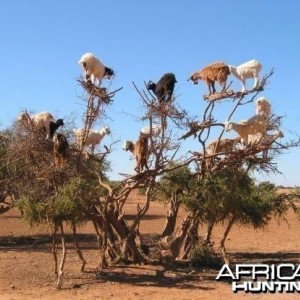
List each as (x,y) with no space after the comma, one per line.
(203,256)
(34,212)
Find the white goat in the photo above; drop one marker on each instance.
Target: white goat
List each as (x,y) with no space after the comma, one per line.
(156,130)
(270,138)
(256,124)
(93,67)
(267,140)
(262,106)
(93,138)
(38,121)
(249,69)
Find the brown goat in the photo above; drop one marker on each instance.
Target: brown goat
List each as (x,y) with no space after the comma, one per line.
(60,149)
(140,152)
(217,71)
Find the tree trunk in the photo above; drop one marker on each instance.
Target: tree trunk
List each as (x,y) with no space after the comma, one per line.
(222,243)
(175,246)
(210,227)
(63,258)
(54,248)
(77,247)
(186,238)
(172,216)
(190,239)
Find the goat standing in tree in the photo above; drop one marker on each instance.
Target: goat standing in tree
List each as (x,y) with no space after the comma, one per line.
(93,138)
(254,125)
(94,67)
(249,69)
(217,71)
(164,88)
(60,149)
(54,126)
(38,121)
(140,151)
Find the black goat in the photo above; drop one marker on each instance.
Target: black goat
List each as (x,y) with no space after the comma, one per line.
(60,149)
(164,88)
(54,126)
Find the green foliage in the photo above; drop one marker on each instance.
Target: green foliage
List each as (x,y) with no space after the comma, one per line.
(34,212)
(175,181)
(71,204)
(73,201)
(229,193)
(203,256)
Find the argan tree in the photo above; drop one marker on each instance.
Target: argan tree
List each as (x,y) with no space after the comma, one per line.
(79,191)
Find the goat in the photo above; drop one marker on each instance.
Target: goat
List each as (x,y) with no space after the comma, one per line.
(54,126)
(154,131)
(217,71)
(140,151)
(60,149)
(164,88)
(270,138)
(93,138)
(249,69)
(256,124)
(222,145)
(262,107)
(94,67)
(266,141)
(39,121)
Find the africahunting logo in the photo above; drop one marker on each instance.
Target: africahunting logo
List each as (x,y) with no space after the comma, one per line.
(262,278)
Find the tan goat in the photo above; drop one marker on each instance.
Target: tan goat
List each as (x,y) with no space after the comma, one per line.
(217,71)
(262,106)
(140,151)
(254,125)
(222,145)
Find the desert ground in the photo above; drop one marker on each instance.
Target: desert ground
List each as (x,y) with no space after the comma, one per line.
(27,269)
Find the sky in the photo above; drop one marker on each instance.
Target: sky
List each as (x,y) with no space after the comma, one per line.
(42,41)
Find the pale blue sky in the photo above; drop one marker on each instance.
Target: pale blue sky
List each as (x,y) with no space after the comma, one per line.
(42,41)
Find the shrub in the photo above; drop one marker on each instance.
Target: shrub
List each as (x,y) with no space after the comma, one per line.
(203,255)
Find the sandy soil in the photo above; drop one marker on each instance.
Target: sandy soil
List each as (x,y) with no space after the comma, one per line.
(27,267)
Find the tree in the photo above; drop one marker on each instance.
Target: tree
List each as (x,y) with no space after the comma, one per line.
(214,187)
(232,197)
